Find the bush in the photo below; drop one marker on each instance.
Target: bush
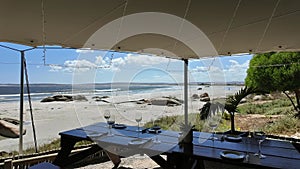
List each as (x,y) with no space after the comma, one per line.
(275,107)
(285,125)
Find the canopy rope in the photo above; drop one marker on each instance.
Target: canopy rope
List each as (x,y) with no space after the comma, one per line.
(182,22)
(267,26)
(229,25)
(43,31)
(30,106)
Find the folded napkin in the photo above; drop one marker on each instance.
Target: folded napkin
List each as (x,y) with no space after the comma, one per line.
(140,143)
(97,135)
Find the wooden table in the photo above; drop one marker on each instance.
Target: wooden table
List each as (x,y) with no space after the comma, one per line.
(280,154)
(118,143)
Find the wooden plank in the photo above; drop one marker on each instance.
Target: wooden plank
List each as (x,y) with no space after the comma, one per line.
(8,164)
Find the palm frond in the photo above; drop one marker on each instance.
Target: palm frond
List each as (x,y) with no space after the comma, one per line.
(233,101)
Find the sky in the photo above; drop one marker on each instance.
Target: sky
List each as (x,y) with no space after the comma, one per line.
(69,66)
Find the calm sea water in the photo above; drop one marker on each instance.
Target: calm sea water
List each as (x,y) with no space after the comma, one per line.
(10,92)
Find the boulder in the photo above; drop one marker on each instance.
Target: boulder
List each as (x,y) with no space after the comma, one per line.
(48,99)
(195,96)
(204,95)
(205,99)
(100,97)
(10,130)
(65,98)
(244,100)
(80,98)
(174,98)
(257,98)
(10,120)
(165,102)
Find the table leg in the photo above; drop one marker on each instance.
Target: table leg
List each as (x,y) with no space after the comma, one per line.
(67,146)
(161,162)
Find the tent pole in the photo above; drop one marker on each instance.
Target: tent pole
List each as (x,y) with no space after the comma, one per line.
(21,103)
(186,63)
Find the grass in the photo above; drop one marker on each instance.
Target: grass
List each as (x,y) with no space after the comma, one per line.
(286,125)
(280,106)
(54,145)
(175,122)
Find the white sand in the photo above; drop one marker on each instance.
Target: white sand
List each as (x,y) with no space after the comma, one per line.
(54,117)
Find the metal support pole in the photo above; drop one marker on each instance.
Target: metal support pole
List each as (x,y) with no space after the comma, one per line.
(186,106)
(21,103)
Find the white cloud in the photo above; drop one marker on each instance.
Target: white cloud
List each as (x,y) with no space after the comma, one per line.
(200,69)
(55,68)
(73,65)
(117,64)
(99,60)
(234,71)
(84,50)
(145,60)
(78,65)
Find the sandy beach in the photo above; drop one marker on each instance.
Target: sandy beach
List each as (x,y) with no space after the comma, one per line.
(54,117)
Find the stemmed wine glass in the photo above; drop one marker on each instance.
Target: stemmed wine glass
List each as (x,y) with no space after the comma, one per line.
(110,122)
(138,119)
(260,137)
(213,123)
(107,116)
(156,128)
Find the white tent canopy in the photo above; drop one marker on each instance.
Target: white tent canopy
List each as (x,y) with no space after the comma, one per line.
(232,26)
(186,29)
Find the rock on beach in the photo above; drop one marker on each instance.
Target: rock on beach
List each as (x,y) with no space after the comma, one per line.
(204,97)
(65,98)
(165,102)
(9,129)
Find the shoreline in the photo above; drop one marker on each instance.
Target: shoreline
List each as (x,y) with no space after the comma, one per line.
(54,117)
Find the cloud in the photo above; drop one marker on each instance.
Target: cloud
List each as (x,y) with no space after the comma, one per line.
(234,71)
(99,60)
(200,69)
(145,60)
(79,65)
(73,65)
(84,50)
(55,68)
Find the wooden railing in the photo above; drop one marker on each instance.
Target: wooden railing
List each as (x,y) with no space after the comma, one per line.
(26,162)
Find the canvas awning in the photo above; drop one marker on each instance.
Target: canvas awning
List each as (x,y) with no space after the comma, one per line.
(185,29)
(232,26)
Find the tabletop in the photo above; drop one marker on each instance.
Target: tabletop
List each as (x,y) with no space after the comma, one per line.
(280,154)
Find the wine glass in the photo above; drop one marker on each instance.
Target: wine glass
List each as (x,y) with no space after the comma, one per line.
(260,137)
(110,122)
(107,116)
(156,129)
(138,119)
(213,124)
(247,141)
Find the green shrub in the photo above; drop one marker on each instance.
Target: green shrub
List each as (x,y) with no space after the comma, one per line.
(285,125)
(276,107)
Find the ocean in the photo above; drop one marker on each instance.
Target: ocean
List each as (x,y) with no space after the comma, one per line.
(11,92)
